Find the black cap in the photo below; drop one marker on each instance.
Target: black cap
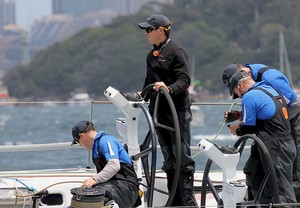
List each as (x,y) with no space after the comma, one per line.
(155,20)
(236,77)
(228,79)
(228,71)
(78,128)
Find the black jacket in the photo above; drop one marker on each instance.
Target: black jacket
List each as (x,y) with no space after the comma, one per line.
(170,67)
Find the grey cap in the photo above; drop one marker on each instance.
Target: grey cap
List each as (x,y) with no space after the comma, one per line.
(78,128)
(155,20)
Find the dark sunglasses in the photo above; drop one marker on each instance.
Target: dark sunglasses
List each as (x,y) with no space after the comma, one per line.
(150,29)
(77,140)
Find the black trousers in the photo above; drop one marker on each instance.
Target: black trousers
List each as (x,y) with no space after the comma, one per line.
(167,141)
(294,115)
(283,164)
(184,193)
(124,193)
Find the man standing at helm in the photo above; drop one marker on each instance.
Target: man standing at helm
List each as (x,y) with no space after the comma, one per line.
(167,67)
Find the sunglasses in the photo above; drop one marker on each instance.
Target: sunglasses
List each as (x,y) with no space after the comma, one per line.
(150,29)
(77,140)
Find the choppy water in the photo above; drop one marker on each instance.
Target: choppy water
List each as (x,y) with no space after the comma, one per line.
(38,124)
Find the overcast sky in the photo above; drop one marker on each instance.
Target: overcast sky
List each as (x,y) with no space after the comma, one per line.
(29,10)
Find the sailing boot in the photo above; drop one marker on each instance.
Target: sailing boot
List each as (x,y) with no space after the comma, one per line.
(186,188)
(170,178)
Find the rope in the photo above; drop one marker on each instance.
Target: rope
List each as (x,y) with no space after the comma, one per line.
(30,195)
(18,193)
(232,104)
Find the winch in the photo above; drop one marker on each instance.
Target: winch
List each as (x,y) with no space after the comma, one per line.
(93,197)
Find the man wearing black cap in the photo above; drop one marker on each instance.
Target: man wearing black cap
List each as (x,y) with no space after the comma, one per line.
(167,66)
(269,75)
(272,77)
(264,113)
(276,79)
(115,172)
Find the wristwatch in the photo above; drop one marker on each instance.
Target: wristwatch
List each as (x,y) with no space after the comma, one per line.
(170,90)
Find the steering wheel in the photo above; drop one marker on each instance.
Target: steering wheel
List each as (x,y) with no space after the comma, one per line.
(145,150)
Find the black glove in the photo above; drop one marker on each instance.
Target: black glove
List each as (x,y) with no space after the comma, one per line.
(232,116)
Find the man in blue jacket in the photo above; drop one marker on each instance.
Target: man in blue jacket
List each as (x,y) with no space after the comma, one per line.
(276,79)
(270,76)
(115,172)
(264,113)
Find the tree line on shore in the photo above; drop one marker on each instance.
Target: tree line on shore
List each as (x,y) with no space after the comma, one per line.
(214,32)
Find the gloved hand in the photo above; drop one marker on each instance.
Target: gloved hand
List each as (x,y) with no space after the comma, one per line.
(230,116)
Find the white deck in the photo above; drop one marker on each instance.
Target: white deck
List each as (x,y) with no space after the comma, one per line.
(61,181)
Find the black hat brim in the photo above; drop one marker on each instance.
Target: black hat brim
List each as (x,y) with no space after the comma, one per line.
(73,142)
(145,25)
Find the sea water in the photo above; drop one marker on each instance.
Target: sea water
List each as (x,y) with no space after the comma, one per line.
(51,123)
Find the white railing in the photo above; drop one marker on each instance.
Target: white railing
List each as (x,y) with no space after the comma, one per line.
(37,147)
(55,146)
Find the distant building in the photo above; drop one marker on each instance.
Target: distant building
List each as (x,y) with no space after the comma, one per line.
(82,7)
(125,7)
(7,13)
(76,7)
(69,17)
(13,47)
(49,30)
